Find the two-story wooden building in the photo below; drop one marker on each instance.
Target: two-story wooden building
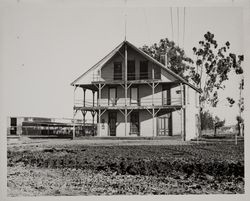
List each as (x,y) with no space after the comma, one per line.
(138,96)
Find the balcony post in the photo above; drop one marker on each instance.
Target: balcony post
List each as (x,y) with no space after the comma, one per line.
(93,98)
(84,95)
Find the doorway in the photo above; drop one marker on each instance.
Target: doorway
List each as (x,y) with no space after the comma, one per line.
(13,126)
(164,125)
(134,123)
(112,123)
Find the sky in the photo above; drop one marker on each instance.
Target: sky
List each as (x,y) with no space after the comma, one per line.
(45,45)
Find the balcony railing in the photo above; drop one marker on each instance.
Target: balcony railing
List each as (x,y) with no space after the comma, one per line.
(129,102)
(130,77)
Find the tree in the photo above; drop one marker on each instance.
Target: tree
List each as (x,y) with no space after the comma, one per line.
(240,124)
(208,72)
(207,120)
(213,65)
(240,120)
(217,124)
(178,62)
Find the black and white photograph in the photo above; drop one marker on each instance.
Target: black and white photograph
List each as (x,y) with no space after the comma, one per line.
(123,98)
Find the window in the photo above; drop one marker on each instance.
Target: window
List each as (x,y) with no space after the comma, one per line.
(166,97)
(131,69)
(134,96)
(117,70)
(143,70)
(188,95)
(197,99)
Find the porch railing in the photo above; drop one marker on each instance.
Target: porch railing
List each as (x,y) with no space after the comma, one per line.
(129,102)
(121,76)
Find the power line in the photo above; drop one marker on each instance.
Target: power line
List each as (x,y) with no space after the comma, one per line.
(147,27)
(172,26)
(178,30)
(184,21)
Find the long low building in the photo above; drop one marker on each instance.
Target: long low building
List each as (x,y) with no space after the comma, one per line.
(40,126)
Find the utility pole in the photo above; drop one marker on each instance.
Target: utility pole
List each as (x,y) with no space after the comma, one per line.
(126,88)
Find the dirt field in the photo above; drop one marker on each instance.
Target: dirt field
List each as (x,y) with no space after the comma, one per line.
(113,167)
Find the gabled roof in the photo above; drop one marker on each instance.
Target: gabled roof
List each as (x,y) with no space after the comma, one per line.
(113,52)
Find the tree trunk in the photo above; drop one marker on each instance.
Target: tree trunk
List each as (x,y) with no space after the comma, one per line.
(238,129)
(215,131)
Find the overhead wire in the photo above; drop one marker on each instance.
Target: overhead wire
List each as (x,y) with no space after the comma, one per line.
(178,26)
(184,26)
(147,26)
(172,26)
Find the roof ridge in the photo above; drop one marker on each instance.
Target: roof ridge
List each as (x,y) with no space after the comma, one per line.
(145,55)
(93,67)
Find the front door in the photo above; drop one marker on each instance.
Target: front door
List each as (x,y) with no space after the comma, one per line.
(112,123)
(163,126)
(134,123)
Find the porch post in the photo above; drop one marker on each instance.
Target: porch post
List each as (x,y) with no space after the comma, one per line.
(182,113)
(170,121)
(83,126)
(83,112)
(74,112)
(93,120)
(99,110)
(153,92)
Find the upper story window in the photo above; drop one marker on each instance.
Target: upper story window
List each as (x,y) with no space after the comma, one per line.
(143,70)
(112,96)
(117,70)
(131,69)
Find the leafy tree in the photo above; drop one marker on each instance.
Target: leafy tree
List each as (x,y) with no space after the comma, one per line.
(240,121)
(241,100)
(210,69)
(207,120)
(213,65)
(178,62)
(217,124)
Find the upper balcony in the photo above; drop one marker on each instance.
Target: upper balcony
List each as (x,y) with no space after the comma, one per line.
(120,78)
(137,71)
(119,103)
